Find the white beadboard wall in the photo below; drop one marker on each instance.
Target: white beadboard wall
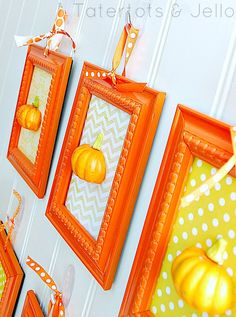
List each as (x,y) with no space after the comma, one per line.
(192,59)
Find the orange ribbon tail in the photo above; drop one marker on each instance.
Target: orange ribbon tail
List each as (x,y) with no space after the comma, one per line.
(135,87)
(57,309)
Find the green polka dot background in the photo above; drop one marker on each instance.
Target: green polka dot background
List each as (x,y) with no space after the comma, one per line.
(200,224)
(2,279)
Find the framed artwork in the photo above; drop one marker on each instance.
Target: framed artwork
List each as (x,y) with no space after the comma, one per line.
(37,115)
(11,276)
(31,306)
(198,146)
(105,150)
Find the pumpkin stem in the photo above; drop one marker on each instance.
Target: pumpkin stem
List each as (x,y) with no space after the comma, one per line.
(216,252)
(98,143)
(36,102)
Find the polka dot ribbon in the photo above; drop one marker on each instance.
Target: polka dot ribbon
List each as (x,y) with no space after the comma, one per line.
(210,183)
(126,44)
(53,37)
(55,306)
(10,223)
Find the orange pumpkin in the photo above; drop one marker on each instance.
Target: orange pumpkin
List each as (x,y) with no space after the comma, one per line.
(88,163)
(202,281)
(29,116)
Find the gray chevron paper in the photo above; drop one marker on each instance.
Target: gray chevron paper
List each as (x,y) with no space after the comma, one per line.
(87,201)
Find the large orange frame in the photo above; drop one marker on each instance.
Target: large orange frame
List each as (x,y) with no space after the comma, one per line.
(31,306)
(192,135)
(14,276)
(36,175)
(101,256)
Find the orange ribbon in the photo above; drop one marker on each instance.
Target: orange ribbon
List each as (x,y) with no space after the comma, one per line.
(55,305)
(126,44)
(10,223)
(54,32)
(53,41)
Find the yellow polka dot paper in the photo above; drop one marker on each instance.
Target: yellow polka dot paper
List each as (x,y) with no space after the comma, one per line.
(2,280)
(199,224)
(211,181)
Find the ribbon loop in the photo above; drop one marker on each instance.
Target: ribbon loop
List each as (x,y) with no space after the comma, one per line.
(54,37)
(126,44)
(10,223)
(210,183)
(55,305)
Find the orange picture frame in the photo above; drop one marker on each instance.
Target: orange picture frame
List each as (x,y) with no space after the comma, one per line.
(101,256)
(14,277)
(31,306)
(58,65)
(192,135)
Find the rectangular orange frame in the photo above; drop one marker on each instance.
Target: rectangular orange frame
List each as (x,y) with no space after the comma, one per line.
(31,306)
(36,175)
(101,256)
(192,134)
(14,277)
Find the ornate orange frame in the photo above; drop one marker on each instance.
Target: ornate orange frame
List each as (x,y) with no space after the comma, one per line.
(101,257)
(31,306)
(36,175)
(14,277)
(192,134)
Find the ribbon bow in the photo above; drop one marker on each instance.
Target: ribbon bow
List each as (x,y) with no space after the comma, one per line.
(53,37)
(210,183)
(127,41)
(55,305)
(10,223)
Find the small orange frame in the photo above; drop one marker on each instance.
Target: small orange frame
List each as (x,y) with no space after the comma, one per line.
(192,135)
(101,256)
(14,276)
(36,175)
(31,306)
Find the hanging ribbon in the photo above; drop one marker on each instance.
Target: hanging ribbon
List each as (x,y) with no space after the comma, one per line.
(55,306)
(53,37)
(10,223)
(210,183)
(126,44)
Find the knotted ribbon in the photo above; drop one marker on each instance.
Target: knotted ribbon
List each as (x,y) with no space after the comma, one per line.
(10,223)
(53,37)
(210,183)
(126,44)
(55,306)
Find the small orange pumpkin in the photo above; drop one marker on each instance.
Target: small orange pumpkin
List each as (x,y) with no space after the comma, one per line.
(202,281)
(29,116)
(88,163)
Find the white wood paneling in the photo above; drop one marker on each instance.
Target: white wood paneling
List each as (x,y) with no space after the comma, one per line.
(192,59)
